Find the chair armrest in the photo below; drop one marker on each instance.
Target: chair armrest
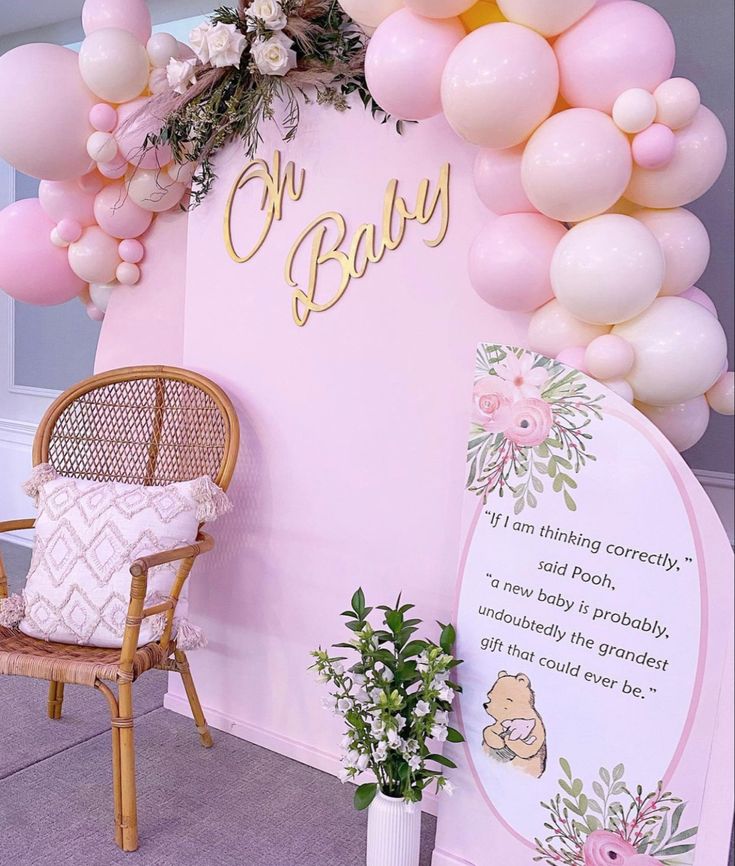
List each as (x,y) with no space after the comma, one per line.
(143,565)
(15,525)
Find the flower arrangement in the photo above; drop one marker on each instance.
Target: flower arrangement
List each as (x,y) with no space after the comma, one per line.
(529,425)
(614,827)
(395,700)
(246,60)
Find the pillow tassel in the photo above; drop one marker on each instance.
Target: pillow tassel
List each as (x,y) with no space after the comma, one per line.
(212,500)
(12,611)
(42,474)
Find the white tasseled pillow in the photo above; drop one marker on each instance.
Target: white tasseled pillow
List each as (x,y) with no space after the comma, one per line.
(88,534)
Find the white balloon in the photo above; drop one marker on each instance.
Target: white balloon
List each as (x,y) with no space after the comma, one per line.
(683,424)
(634,110)
(621,388)
(114,65)
(370,13)
(100,293)
(553,329)
(547,17)
(102,147)
(680,350)
(56,239)
(607,269)
(154,190)
(161,48)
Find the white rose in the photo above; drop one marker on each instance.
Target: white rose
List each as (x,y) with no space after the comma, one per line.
(274,56)
(198,41)
(225,44)
(269,12)
(180,74)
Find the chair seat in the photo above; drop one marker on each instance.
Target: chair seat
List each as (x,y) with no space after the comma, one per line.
(25,656)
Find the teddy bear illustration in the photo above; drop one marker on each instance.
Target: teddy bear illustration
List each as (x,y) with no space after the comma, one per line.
(516,733)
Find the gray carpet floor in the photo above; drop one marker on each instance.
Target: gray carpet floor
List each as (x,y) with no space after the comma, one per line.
(233,805)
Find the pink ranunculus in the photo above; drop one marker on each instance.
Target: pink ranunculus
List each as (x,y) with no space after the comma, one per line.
(492,403)
(603,848)
(530,422)
(525,379)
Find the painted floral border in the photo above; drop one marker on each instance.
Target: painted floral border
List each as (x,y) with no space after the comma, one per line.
(530,426)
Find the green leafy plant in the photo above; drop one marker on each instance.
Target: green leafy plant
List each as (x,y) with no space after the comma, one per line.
(394,693)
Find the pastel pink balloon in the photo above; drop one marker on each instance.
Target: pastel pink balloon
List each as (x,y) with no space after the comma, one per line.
(92,182)
(683,424)
(576,165)
(103,117)
(721,396)
(114,65)
(63,199)
(114,170)
(69,231)
(405,60)
(44,112)
(510,259)
(131,135)
(614,48)
(553,329)
(498,180)
(131,250)
(94,257)
(609,357)
(127,274)
(701,149)
(621,388)
(573,357)
(677,102)
(131,15)
(94,313)
(32,269)
(699,297)
(500,83)
(654,147)
(119,215)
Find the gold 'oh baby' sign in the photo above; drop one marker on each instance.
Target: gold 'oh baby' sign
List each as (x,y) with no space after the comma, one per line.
(325,239)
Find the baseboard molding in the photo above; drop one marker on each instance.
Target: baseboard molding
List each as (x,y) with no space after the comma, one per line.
(274,742)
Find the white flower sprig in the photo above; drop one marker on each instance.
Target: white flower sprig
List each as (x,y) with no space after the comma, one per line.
(395,701)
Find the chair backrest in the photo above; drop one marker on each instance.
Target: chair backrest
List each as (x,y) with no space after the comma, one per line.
(141,425)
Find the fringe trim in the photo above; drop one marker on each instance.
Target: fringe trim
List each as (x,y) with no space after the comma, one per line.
(12,611)
(187,635)
(212,501)
(42,474)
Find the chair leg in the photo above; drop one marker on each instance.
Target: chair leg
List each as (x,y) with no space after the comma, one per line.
(182,665)
(55,700)
(116,786)
(127,768)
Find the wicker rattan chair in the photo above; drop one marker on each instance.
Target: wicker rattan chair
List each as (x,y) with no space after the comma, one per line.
(138,425)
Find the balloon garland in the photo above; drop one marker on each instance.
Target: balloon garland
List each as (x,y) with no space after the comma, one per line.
(588,150)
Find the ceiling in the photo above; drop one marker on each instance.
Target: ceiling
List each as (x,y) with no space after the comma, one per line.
(17,15)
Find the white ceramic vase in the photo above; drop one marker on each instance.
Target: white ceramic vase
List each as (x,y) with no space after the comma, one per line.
(394,832)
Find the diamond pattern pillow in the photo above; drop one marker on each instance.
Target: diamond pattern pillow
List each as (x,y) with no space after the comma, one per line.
(88,534)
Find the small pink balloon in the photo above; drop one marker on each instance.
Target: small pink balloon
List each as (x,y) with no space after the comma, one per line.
(131,250)
(654,147)
(94,313)
(131,15)
(498,181)
(573,357)
(131,134)
(609,357)
(114,170)
(510,261)
(63,199)
(32,269)
(699,297)
(69,230)
(621,388)
(677,102)
(103,117)
(405,60)
(119,215)
(127,274)
(91,183)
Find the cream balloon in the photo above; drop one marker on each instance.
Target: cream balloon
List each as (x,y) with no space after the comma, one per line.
(161,47)
(634,110)
(100,294)
(102,147)
(721,396)
(547,17)
(621,388)
(685,243)
(677,102)
(607,270)
(680,349)
(114,65)
(154,190)
(683,424)
(439,8)
(553,329)
(94,257)
(370,13)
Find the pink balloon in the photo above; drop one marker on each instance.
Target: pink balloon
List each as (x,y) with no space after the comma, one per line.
(94,258)
(119,215)
(131,251)
(574,356)
(500,83)
(510,261)
(576,165)
(553,329)
(609,357)
(44,112)
(91,183)
(683,424)
(63,199)
(702,298)
(32,269)
(103,117)
(69,231)
(654,147)
(131,15)
(405,60)
(94,313)
(614,48)
(114,170)
(721,396)
(130,138)
(498,181)
(701,149)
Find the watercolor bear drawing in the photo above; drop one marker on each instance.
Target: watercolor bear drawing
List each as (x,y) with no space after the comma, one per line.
(516,733)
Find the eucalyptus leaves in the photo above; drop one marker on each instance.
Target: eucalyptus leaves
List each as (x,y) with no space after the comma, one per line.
(395,695)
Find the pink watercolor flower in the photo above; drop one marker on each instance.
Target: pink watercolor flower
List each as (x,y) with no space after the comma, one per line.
(530,422)
(603,848)
(525,379)
(492,403)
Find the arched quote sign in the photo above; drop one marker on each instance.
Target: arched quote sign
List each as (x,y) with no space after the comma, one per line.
(594,618)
